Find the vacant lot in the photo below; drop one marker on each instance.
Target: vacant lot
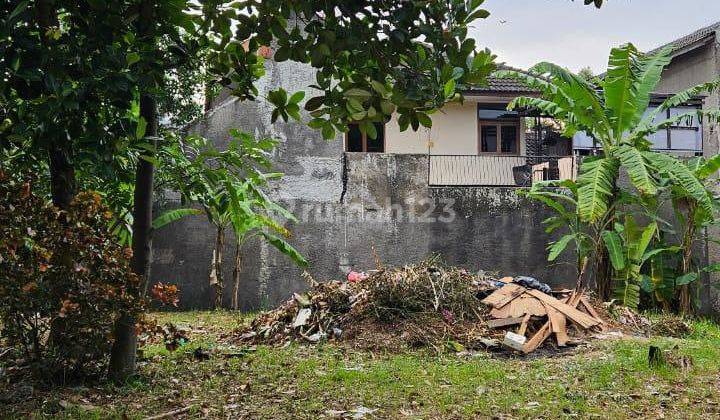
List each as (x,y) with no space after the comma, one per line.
(609,378)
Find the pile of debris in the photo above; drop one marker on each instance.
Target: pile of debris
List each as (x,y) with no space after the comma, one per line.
(539,315)
(427,304)
(415,305)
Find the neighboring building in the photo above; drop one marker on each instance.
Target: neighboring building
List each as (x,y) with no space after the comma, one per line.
(450,189)
(695,60)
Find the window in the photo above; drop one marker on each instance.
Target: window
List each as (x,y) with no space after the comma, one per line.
(685,136)
(499,138)
(499,129)
(356,141)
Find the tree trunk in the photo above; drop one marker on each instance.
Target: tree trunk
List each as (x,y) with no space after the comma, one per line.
(603,274)
(603,268)
(122,358)
(236,275)
(63,185)
(685,298)
(122,361)
(219,283)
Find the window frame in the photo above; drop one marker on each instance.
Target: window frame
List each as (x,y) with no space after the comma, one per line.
(365,138)
(498,124)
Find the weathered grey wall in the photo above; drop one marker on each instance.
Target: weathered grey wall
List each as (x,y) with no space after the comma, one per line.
(387,211)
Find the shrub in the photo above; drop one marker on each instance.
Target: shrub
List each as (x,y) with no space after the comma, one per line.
(63,281)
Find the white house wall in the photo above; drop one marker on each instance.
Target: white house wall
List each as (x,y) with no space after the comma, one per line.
(454,132)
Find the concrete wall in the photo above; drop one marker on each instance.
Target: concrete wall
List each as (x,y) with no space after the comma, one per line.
(355,206)
(388,210)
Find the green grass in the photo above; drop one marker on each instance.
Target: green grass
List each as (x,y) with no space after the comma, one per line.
(605,379)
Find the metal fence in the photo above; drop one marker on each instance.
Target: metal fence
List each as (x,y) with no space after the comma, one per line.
(498,170)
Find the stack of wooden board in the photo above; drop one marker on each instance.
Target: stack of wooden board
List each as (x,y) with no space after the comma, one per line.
(513,304)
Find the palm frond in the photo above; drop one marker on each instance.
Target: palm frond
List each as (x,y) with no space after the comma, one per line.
(637,168)
(285,248)
(619,88)
(172,216)
(614,246)
(627,292)
(549,108)
(580,104)
(579,97)
(682,177)
(648,125)
(535,82)
(707,167)
(688,94)
(556,248)
(649,71)
(595,187)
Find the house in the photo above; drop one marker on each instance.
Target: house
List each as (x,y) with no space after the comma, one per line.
(478,142)
(449,190)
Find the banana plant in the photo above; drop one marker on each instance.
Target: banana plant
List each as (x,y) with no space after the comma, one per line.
(627,247)
(577,237)
(228,186)
(614,111)
(692,218)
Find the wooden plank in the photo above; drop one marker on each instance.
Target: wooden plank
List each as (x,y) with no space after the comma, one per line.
(544,331)
(503,295)
(586,303)
(524,324)
(519,307)
(581,318)
(526,304)
(539,337)
(497,323)
(558,325)
(504,312)
(515,291)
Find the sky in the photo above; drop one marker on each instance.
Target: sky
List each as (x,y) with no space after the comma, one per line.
(525,32)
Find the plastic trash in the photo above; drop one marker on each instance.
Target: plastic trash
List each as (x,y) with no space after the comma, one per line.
(532,283)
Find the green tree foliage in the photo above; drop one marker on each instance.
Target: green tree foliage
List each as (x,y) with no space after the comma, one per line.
(65,83)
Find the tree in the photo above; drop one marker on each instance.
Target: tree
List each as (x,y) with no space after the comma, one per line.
(692,217)
(587,74)
(615,114)
(64,83)
(373,59)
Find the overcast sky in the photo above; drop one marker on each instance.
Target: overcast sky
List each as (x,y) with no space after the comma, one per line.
(524,32)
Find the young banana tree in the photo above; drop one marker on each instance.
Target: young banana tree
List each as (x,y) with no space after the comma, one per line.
(693,218)
(227,185)
(254,215)
(578,236)
(615,112)
(628,247)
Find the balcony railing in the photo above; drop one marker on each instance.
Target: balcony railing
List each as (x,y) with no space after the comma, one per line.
(498,170)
